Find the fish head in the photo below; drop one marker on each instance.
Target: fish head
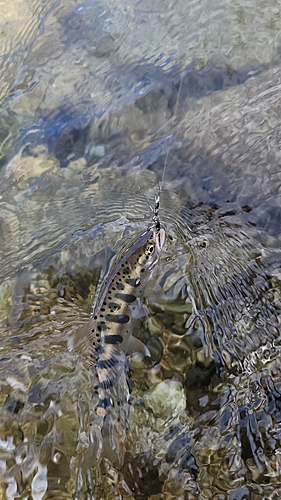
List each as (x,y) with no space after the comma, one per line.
(153,247)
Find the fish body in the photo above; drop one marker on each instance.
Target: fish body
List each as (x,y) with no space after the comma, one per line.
(108,337)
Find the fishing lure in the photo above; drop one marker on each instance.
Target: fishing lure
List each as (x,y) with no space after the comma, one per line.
(108,334)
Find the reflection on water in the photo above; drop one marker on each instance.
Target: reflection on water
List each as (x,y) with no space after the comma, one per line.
(18,35)
(93,96)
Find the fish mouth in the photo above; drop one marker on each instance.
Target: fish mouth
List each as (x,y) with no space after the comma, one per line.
(160,240)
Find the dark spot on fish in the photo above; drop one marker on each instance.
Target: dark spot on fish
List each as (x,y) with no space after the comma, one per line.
(95,317)
(142,270)
(151,249)
(118,274)
(113,288)
(113,339)
(103,309)
(105,384)
(126,271)
(106,363)
(113,306)
(126,297)
(104,403)
(118,318)
(99,349)
(104,303)
(101,326)
(132,281)
(123,265)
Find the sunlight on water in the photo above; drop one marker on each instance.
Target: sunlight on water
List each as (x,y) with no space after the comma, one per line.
(95,99)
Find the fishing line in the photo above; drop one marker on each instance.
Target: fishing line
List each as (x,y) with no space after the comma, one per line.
(169,140)
(160,185)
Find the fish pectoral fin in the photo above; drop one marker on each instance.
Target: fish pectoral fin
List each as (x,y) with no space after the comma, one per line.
(135,345)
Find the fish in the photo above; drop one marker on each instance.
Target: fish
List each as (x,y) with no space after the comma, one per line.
(108,337)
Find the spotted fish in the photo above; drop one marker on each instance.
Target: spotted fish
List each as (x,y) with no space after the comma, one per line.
(109,337)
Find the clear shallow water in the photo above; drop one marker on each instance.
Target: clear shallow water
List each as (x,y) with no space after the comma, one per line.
(92,96)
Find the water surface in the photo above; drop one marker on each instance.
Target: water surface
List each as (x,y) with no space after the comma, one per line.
(95,99)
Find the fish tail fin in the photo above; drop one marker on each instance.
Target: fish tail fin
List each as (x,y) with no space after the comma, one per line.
(94,450)
(106,441)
